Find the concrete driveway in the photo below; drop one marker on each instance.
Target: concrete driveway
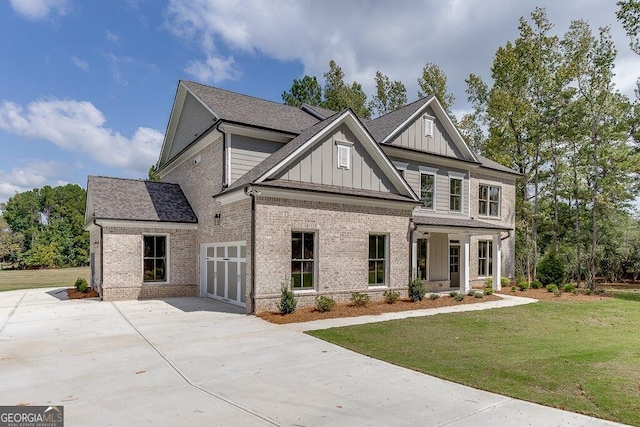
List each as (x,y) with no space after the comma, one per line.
(194,361)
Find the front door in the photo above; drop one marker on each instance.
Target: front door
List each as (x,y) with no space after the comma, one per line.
(423,259)
(454,265)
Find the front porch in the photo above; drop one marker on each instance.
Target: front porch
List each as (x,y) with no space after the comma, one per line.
(441,253)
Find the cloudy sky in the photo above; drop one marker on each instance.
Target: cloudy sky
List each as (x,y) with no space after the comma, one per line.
(86,88)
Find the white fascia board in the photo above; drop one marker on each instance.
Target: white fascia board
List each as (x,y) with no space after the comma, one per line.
(252,132)
(286,193)
(146,224)
(459,230)
(174,118)
(204,104)
(231,197)
(204,141)
(452,129)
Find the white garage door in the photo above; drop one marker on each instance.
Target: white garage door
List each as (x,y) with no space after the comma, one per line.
(224,272)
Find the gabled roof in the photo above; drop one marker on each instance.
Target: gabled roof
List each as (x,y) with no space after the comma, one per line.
(490,164)
(238,108)
(383,126)
(321,113)
(137,200)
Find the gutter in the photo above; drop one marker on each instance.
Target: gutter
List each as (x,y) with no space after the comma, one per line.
(252,293)
(225,183)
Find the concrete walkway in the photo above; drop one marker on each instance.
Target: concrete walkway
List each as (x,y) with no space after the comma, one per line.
(194,361)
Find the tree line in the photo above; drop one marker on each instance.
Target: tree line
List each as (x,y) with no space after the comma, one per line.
(43,227)
(551,112)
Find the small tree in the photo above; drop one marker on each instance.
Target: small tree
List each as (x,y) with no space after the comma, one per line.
(288,300)
(551,269)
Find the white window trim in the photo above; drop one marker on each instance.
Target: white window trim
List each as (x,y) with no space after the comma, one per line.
(316,248)
(386,260)
(452,176)
(481,242)
(429,126)
(426,171)
(487,215)
(343,145)
(167,261)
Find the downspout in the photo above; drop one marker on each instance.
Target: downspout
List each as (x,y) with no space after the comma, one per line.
(225,184)
(505,237)
(412,228)
(252,294)
(101,254)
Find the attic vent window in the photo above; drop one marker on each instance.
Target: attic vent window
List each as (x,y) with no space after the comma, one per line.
(344,154)
(428,126)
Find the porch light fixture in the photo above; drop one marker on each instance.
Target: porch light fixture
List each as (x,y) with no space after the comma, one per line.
(216,219)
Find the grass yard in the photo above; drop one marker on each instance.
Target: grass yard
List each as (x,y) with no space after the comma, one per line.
(579,356)
(27,279)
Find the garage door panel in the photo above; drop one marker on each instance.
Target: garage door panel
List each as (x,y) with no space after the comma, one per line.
(226,271)
(220,279)
(243,282)
(232,282)
(210,277)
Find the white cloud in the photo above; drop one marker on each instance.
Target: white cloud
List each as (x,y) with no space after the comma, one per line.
(83,65)
(214,69)
(40,9)
(112,37)
(78,126)
(460,36)
(32,175)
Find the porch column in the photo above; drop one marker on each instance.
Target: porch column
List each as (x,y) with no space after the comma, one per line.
(465,286)
(497,262)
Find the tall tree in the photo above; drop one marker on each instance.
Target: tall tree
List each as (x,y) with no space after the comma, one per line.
(629,16)
(434,82)
(304,91)
(339,95)
(389,95)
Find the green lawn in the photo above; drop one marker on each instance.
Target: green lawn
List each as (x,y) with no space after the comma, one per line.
(28,279)
(580,356)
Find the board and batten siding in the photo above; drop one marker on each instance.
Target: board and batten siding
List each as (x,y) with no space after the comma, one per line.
(319,165)
(194,120)
(440,143)
(412,176)
(438,256)
(247,153)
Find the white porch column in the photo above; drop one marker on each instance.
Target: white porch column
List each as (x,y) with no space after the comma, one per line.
(465,286)
(497,262)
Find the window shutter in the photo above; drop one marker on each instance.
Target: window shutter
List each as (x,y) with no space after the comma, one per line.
(344,157)
(428,126)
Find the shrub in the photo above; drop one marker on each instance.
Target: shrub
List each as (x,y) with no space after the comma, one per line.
(523,286)
(575,292)
(488,291)
(569,287)
(551,269)
(558,293)
(458,297)
(288,300)
(360,299)
(417,290)
(587,291)
(81,285)
(552,287)
(504,281)
(390,296)
(471,292)
(488,283)
(453,294)
(598,291)
(324,303)
(513,289)
(536,284)
(478,295)
(434,296)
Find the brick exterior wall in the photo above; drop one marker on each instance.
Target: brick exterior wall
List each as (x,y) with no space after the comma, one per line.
(122,279)
(341,254)
(95,249)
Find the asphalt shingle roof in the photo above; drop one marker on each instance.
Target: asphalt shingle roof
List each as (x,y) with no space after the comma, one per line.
(137,200)
(440,221)
(235,107)
(383,126)
(490,164)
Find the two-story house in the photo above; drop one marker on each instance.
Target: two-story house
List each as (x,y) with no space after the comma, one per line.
(255,195)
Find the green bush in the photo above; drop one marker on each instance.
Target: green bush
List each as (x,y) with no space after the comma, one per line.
(488,283)
(417,290)
(552,287)
(434,296)
(390,296)
(536,285)
(513,289)
(478,295)
(81,285)
(575,292)
(558,293)
(504,281)
(453,294)
(324,303)
(288,300)
(523,286)
(587,291)
(488,291)
(569,287)
(360,299)
(471,292)
(551,269)
(458,297)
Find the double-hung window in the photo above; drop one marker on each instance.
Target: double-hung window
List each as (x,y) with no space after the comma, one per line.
(489,201)
(154,259)
(302,260)
(377,259)
(485,258)
(455,194)
(427,190)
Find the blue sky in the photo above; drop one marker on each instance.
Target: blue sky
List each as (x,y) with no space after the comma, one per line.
(86,87)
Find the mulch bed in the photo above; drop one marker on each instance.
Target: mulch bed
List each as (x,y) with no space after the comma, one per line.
(72,293)
(374,307)
(543,294)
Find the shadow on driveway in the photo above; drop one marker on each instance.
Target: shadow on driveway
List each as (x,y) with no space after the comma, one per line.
(189,305)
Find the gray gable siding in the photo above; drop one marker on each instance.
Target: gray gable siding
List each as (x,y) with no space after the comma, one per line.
(194,120)
(441,143)
(320,165)
(412,176)
(247,153)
